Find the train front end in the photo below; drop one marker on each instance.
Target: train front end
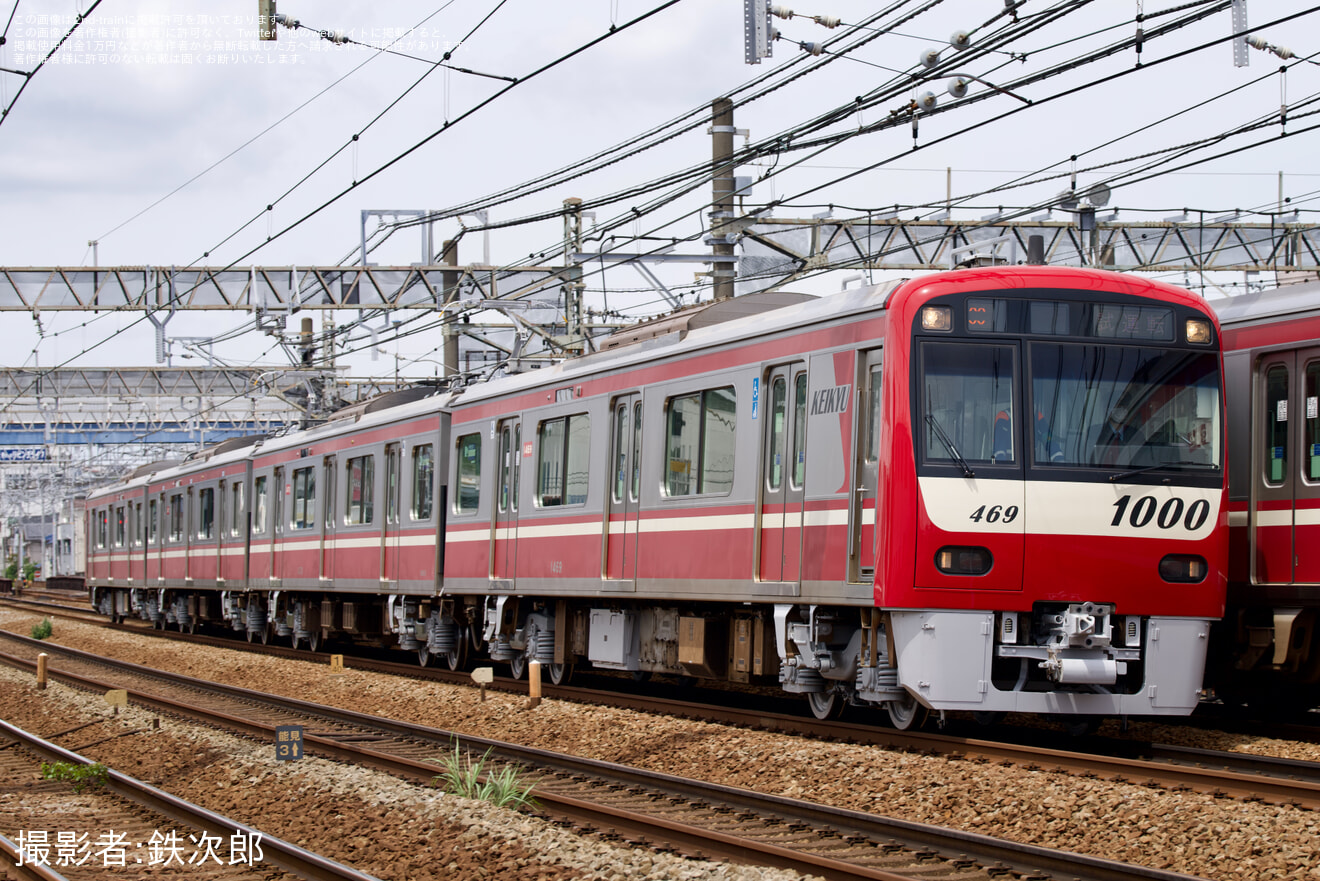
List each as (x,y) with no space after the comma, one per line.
(1061,479)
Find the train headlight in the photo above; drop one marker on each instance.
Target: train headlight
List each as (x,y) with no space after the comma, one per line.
(1183,568)
(936,318)
(953,560)
(1198,331)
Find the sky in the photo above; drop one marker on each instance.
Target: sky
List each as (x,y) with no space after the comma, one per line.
(162,132)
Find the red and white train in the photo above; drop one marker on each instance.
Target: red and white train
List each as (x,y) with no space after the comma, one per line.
(1267,649)
(992,489)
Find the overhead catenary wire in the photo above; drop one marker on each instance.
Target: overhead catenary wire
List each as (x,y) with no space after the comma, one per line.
(28,75)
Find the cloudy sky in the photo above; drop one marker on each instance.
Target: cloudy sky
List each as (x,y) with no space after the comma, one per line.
(163,131)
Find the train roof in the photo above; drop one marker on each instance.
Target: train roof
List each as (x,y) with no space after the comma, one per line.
(1291,301)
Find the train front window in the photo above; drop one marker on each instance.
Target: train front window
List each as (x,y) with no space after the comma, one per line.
(1098,406)
(968,400)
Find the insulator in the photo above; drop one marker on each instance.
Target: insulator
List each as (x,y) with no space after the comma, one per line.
(927,100)
(287,20)
(812,48)
(781,11)
(334,36)
(958,86)
(827,21)
(960,40)
(930,57)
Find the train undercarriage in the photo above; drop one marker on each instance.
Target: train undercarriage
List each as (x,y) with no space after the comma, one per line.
(1079,660)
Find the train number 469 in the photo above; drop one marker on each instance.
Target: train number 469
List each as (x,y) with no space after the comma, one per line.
(1166,516)
(995,514)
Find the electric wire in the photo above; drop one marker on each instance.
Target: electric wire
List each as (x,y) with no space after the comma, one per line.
(28,76)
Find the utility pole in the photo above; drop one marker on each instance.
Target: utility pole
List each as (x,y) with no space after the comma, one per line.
(449,286)
(574,332)
(721,215)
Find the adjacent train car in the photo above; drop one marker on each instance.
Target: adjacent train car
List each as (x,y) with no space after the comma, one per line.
(1267,649)
(993,489)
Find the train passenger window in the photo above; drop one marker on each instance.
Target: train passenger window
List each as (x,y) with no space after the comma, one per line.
(620,452)
(637,452)
(259,504)
(873,412)
(1313,421)
(778,425)
(392,484)
(153,521)
(206,512)
(1276,424)
(236,512)
(423,481)
(699,448)
(564,464)
(102,532)
(119,526)
(799,475)
(968,403)
(506,464)
(176,517)
(135,524)
(468,496)
(303,513)
(361,488)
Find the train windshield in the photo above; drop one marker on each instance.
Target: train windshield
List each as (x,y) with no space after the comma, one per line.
(1104,406)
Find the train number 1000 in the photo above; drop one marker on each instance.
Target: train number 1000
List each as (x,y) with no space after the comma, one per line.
(1170,514)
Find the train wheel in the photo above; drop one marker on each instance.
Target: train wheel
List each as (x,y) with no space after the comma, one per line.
(423,655)
(266,635)
(314,640)
(456,657)
(518,666)
(192,625)
(906,713)
(251,636)
(560,673)
(825,704)
(1081,726)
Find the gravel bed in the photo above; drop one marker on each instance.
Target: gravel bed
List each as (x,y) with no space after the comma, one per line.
(1180,831)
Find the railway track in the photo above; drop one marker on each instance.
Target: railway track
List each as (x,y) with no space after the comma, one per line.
(148,829)
(665,812)
(1224,774)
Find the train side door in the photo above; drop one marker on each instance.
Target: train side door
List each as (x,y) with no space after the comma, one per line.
(1286,465)
(330,522)
(866,449)
(621,516)
(784,459)
(1274,483)
(279,502)
(504,532)
(390,538)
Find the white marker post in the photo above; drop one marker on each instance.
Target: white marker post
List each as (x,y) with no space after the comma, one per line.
(41,671)
(483,676)
(533,684)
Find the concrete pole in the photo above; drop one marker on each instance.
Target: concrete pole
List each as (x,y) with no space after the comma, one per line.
(722,186)
(449,282)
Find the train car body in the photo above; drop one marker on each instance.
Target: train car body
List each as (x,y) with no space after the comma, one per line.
(995,489)
(1267,649)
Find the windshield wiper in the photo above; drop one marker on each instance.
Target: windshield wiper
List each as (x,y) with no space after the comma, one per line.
(1115,478)
(948,445)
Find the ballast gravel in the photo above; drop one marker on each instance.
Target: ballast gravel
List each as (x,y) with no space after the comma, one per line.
(1180,831)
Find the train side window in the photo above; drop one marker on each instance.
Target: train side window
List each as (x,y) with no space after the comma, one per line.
(1276,425)
(153,521)
(135,520)
(361,489)
(799,473)
(236,511)
(778,426)
(505,465)
(1313,421)
(423,481)
(699,448)
(517,463)
(620,447)
(176,517)
(304,498)
(119,526)
(259,486)
(468,496)
(102,532)
(206,512)
(873,413)
(392,484)
(637,452)
(564,464)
